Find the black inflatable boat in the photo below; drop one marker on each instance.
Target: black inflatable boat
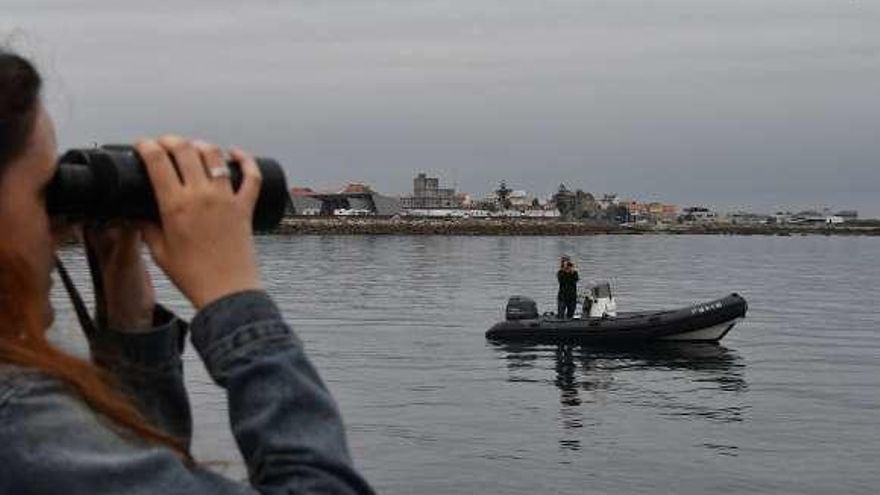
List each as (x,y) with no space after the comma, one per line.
(707,322)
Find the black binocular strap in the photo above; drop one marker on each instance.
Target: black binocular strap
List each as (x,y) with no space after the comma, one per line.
(90,327)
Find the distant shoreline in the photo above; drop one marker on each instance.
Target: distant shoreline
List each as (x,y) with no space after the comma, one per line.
(541,227)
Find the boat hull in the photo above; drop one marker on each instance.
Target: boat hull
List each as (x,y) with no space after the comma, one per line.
(706,322)
(709,334)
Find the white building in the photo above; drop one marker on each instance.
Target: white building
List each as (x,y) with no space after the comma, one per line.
(699,214)
(520,199)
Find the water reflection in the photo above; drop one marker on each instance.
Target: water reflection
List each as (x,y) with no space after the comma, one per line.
(672,381)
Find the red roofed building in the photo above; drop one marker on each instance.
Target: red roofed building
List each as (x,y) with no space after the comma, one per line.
(357,188)
(301,191)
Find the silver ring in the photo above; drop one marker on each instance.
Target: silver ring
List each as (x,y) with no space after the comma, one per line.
(218,172)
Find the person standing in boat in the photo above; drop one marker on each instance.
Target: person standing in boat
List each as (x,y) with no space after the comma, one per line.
(566,298)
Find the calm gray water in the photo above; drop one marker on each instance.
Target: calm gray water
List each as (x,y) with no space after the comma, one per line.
(788,404)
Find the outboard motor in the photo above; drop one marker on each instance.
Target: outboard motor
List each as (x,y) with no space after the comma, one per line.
(600,302)
(521,308)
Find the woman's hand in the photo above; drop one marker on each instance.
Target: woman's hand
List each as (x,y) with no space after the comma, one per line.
(128,291)
(205,242)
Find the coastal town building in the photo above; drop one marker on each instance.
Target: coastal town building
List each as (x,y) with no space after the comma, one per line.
(781,217)
(815,217)
(521,200)
(748,218)
(302,202)
(653,212)
(428,194)
(698,214)
(356,187)
(353,200)
(608,201)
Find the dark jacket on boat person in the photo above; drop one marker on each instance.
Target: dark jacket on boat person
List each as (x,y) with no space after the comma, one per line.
(284,420)
(567,285)
(566,298)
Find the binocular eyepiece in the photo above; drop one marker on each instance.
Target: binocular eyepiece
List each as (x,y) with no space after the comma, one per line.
(111,182)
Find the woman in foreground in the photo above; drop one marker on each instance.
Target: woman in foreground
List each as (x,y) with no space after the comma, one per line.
(122,423)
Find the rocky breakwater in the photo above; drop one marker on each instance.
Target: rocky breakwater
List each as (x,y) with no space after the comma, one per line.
(531,226)
(441,226)
(783,229)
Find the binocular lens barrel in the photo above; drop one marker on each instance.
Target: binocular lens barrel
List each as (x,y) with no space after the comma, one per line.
(110,182)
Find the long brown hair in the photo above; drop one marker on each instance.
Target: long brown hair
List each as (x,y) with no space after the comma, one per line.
(23,339)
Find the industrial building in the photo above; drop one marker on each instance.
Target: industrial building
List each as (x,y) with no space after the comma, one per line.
(354,200)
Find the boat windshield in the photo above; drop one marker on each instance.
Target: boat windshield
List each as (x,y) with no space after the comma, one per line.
(602,290)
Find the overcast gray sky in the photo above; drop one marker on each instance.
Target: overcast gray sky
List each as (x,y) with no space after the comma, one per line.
(760,103)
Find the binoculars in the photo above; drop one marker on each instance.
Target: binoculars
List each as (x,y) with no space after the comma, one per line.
(110,182)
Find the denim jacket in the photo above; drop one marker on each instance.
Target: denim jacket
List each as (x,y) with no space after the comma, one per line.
(283,418)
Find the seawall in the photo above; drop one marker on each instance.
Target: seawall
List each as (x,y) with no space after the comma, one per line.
(522,226)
